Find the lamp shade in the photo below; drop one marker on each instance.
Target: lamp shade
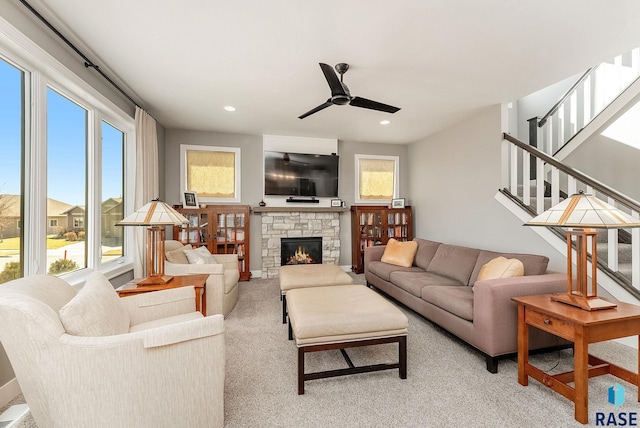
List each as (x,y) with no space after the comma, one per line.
(584,211)
(154,213)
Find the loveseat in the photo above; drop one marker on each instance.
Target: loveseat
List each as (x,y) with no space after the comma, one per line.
(441,284)
(222,284)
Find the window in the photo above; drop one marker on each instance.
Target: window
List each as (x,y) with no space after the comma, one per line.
(376,178)
(66,180)
(112,191)
(67,152)
(11,141)
(213,173)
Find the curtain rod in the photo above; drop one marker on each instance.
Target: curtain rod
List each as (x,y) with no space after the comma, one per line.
(87,62)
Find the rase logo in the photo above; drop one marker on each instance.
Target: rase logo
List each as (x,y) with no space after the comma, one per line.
(615,396)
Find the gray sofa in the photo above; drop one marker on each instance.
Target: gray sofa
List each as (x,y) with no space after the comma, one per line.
(441,286)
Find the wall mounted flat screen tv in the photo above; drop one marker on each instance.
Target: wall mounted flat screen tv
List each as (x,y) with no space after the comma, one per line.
(298,174)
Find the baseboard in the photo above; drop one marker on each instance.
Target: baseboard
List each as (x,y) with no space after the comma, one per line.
(631,341)
(9,391)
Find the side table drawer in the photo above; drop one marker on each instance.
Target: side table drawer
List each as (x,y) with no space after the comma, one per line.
(550,324)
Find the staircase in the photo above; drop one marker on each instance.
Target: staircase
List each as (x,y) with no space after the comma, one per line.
(597,94)
(535,178)
(618,250)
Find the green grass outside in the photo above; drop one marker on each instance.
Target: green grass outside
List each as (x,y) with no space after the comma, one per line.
(13,244)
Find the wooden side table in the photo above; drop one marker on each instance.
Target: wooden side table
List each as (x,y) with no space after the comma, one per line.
(199,281)
(581,327)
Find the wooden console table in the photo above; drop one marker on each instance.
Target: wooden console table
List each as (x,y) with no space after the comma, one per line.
(581,327)
(199,281)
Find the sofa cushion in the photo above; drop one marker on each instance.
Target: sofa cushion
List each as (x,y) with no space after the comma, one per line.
(456,300)
(426,251)
(399,253)
(178,256)
(533,264)
(414,281)
(96,310)
(454,262)
(384,270)
(501,267)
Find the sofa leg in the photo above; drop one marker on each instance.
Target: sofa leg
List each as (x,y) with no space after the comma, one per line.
(492,364)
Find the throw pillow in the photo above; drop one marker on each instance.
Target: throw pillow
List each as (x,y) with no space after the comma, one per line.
(178,256)
(200,256)
(96,310)
(400,253)
(501,267)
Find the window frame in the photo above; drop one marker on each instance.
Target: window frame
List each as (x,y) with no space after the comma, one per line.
(396,178)
(237,162)
(42,71)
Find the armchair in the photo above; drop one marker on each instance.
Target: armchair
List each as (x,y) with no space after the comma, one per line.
(147,360)
(222,285)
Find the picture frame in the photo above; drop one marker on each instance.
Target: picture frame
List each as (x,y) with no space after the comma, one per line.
(397,203)
(336,202)
(190,200)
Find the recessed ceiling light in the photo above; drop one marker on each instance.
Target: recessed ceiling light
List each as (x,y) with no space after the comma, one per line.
(385,122)
(230,108)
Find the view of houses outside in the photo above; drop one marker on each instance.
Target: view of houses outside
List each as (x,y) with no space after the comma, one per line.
(67,188)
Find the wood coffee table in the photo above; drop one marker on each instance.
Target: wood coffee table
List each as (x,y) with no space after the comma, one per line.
(199,281)
(581,327)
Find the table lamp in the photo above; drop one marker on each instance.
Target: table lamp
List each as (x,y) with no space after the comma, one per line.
(156,214)
(584,213)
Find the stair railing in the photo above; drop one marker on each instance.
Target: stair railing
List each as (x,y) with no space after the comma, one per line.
(588,96)
(553,179)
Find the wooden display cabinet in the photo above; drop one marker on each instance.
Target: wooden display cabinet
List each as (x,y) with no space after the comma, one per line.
(374,225)
(223,229)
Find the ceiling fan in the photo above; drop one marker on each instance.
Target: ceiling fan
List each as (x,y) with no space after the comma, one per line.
(340,94)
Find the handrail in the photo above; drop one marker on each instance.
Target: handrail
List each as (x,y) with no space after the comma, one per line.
(589,181)
(564,98)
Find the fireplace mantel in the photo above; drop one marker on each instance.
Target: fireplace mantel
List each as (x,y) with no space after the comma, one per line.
(300,209)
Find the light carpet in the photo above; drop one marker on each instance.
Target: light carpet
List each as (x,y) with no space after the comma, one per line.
(447,384)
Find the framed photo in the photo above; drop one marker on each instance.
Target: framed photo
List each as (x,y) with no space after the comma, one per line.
(397,203)
(336,203)
(190,200)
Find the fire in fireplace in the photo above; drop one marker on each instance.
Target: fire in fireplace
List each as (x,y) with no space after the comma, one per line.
(297,251)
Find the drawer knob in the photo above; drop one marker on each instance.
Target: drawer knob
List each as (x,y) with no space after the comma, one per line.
(547,321)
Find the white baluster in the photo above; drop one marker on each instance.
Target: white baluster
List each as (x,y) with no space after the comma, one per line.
(555,186)
(513,188)
(612,244)
(526,178)
(635,254)
(539,186)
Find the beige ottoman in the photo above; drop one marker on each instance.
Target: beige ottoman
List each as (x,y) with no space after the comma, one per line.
(311,275)
(325,318)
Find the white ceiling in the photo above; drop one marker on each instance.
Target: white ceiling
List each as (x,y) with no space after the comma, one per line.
(439,60)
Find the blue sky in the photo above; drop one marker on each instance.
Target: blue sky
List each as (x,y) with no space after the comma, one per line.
(66,154)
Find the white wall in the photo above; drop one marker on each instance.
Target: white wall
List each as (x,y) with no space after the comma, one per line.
(454,176)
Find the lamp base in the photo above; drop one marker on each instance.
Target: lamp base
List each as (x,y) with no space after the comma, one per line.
(156,280)
(588,303)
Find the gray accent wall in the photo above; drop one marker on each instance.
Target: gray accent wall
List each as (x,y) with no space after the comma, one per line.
(252,180)
(455,175)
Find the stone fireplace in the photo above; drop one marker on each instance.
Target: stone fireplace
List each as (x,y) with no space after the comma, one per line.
(300,251)
(298,222)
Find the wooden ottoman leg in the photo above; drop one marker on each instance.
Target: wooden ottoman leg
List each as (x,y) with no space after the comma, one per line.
(300,370)
(283,297)
(402,357)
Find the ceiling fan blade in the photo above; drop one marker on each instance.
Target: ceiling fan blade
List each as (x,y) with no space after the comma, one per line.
(332,80)
(373,105)
(315,110)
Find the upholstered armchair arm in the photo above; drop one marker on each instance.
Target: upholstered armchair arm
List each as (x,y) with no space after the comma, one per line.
(138,372)
(159,304)
(229,261)
(495,315)
(191,269)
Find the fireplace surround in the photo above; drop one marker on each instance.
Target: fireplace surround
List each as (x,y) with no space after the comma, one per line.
(298,222)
